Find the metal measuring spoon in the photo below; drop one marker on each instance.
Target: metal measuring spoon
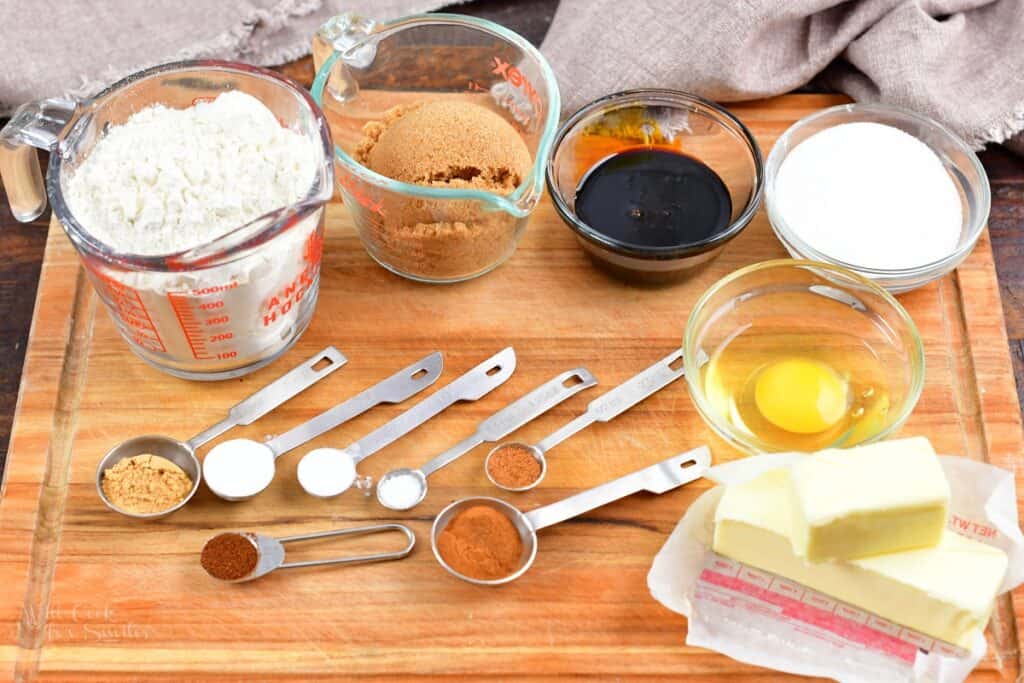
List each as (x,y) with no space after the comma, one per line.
(328,472)
(658,478)
(410,485)
(270,551)
(183,453)
(602,409)
(220,466)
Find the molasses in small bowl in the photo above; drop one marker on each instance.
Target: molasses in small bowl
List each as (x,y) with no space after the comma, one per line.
(654,182)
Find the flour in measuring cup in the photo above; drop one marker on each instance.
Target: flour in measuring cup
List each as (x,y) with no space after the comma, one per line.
(170,179)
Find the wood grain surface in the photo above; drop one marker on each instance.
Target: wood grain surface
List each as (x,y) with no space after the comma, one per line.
(91,596)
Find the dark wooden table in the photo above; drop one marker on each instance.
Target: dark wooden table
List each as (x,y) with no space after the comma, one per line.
(21,245)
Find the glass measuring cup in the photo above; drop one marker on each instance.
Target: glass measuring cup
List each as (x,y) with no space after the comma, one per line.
(221,464)
(658,478)
(410,485)
(433,233)
(183,453)
(218,310)
(270,551)
(604,408)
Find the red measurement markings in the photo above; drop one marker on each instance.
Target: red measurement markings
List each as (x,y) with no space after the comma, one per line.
(127,306)
(190,325)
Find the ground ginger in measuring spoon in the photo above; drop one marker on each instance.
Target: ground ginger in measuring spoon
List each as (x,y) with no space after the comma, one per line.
(168,180)
(871,196)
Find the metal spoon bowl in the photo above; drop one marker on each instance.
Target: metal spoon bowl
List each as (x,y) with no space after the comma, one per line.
(416,477)
(527,534)
(470,386)
(538,455)
(164,446)
(270,552)
(247,411)
(604,408)
(496,427)
(658,478)
(403,384)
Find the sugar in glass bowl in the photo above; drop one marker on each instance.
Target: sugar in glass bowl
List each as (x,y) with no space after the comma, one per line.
(962,165)
(778,325)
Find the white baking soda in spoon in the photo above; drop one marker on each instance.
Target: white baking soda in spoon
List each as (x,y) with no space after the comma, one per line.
(870,195)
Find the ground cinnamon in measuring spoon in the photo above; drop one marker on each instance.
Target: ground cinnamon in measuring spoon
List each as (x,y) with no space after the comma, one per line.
(513,466)
(229,557)
(481,543)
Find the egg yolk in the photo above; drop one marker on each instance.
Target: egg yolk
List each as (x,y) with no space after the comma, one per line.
(801,396)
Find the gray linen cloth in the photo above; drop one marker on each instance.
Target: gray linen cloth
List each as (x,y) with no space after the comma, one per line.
(960,61)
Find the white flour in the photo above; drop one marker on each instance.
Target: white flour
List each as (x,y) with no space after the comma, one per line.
(170,179)
(870,195)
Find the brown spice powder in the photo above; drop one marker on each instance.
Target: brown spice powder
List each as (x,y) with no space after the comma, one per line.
(481,543)
(145,484)
(229,556)
(513,466)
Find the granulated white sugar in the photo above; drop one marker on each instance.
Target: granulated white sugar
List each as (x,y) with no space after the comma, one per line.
(870,195)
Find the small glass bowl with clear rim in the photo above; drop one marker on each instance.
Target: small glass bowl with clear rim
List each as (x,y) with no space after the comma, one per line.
(665,119)
(959,160)
(789,308)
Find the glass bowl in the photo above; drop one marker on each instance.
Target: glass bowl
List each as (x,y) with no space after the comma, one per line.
(666,119)
(791,309)
(441,229)
(960,162)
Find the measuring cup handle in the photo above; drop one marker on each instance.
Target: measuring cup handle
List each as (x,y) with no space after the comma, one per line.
(356,531)
(36,124)
(658,478)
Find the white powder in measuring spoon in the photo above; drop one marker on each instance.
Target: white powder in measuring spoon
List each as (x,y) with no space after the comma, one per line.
(170,179)
(870,195)
(238,468)
(400,491)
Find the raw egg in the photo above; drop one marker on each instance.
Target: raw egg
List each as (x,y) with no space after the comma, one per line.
(801,396)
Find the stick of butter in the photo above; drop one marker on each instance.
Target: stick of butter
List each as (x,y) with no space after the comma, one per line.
(882,498)
(946,591)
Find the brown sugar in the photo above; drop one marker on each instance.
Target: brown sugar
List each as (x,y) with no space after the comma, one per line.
(448,144)
(229,557)
(481,543)
(514,466)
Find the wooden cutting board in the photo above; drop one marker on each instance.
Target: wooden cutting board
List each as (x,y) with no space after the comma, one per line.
(90,595)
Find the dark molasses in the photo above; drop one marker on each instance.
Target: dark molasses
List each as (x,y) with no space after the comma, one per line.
(654,197)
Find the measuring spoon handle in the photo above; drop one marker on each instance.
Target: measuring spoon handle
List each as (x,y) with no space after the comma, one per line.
(274,394)
(395,389)
(637,388)
(621,398)
(410,538)
(658,478)
(516,414)
(469,387)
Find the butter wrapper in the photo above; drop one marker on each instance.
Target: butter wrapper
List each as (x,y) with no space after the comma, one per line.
(765,620)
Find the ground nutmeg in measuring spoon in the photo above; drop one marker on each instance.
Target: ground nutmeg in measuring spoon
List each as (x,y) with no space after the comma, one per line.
(229,557)
(481,543)
(513,466)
